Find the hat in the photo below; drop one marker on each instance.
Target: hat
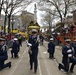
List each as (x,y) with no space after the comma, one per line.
(67,40)
(51,39)
(34,30)
(15,39)
(2,39)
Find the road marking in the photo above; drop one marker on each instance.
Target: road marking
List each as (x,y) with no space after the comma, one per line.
(45,62)
(16,65)
(39,68)
(45,52)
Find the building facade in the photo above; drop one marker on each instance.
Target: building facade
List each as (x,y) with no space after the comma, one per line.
(26,18)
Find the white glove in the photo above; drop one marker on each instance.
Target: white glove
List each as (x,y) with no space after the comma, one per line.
(69,51)
(29,44)
(69,55)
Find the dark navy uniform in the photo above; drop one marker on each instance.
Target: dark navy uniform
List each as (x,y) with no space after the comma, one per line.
(65,59)
(68,53)
(73,60)
(34,54)
(51,48)
(15,49)
(3,56)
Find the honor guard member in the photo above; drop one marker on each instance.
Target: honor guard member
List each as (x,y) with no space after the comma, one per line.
(3,55)
(15,48)
(33,53)
(67,53)
(73,59)
(51,48)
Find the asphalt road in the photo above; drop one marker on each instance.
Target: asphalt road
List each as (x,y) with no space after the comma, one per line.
(46,66)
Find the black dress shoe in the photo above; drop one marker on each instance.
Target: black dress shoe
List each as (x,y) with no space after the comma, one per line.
(11,56)
(9,64)
(17,57)
(35,71)
(71,71)
(30,68)
(0,69)
(59,67)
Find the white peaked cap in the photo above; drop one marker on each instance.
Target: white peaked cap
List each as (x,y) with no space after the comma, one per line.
(67,40)
(34,30)
(15,39)
(51,39)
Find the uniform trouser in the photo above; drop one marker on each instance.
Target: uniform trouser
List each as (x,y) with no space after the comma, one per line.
(65,64)
(11,53)
(2,65)
(73,61)
(65,67)
(15,54)
(33,59)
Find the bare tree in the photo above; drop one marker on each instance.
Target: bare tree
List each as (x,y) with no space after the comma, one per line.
(1,5)
(59,8)
(62,7)
(9,9)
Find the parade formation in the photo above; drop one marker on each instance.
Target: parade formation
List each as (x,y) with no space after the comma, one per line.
(42,42)
(33,43)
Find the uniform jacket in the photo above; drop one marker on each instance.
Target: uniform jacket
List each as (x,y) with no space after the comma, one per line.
(51,47)
(65,54)
(74,46)
(3,52)
(15,47)
(35,44)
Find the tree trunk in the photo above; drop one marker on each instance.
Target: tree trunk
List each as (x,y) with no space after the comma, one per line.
(9,16)
(5,22)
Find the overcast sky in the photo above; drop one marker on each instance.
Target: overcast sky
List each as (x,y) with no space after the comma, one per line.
(30,8)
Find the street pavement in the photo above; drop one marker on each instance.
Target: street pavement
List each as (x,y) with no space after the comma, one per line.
(46,66)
